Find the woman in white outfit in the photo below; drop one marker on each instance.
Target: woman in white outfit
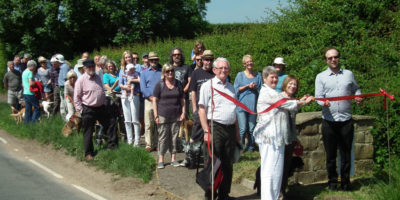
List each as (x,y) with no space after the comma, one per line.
(131,102)
(269,133)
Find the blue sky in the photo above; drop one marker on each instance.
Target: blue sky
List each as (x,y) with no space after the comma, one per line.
(239,11)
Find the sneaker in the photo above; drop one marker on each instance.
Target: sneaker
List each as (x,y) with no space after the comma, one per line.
(160,165)
(175,164)
(183,163)
(136,144)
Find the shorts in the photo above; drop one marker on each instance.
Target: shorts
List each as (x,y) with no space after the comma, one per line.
(14,97)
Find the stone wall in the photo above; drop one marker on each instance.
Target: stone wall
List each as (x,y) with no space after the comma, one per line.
(309,134)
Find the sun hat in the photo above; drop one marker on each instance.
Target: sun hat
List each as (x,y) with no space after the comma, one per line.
(57,58)
(208,54)
(129,67)
(153,56)
(79,64)
(279,61)
(42,59)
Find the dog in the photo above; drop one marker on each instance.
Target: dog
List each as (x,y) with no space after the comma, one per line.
(185,129)
(19,116)
(46,105)
(73,122)
(297,163)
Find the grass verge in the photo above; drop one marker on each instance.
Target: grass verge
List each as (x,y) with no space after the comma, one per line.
(372,186)
(124,161)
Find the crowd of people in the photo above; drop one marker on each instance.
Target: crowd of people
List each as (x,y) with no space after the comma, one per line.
(155,99)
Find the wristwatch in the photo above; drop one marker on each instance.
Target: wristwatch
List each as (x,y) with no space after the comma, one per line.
(205,130)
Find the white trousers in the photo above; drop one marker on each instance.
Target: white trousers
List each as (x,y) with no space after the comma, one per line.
(130,107)
(70,109)
(271,170)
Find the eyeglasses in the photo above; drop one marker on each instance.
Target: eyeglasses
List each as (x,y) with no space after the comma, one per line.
(153,60)
(333,57)
(223,68)
(208,59)
(176,54)
(198,59)
(170,71)
(136,58)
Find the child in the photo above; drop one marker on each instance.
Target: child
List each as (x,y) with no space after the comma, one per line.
(131,76)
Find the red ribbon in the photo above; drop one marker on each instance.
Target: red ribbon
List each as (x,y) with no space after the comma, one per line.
(382,92)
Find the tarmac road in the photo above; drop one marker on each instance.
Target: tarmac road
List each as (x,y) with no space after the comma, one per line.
(20,179)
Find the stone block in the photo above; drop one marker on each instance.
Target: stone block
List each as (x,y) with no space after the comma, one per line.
(308,129)
(369,138)
(363,166)
(307,165)
(305,177)
(310,142)
(321,146)
(359,137)
(318,161)
(321,175)
(363,151)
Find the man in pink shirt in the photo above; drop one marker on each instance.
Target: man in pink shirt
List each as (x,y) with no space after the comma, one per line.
(89,100)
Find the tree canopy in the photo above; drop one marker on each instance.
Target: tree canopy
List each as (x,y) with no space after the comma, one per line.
(68,26)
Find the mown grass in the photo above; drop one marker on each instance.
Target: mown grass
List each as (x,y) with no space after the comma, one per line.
(124,161)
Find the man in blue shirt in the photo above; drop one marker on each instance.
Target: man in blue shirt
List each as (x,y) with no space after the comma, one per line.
(148,80)
(337,124)
(279,65)
(17,64)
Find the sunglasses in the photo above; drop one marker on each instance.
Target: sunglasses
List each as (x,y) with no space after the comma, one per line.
(177,54)
(170,71)
(208,59)
(333,57)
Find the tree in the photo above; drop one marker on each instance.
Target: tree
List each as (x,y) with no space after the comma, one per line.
(71,26)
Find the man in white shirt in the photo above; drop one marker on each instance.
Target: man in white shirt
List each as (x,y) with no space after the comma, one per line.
(225,128)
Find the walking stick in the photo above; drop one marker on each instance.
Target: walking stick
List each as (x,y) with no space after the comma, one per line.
(212,140)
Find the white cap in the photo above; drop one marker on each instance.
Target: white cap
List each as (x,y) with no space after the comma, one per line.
(129,67)
(57,58)
(279,61)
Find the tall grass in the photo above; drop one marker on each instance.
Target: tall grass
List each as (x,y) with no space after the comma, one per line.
(125,160)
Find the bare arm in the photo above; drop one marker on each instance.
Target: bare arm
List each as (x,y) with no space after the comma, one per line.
(203,120)
(155,112)
(183,115)
(194,101)
(185,90)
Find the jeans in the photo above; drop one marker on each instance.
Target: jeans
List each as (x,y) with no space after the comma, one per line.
(247,122)
(131,107)
(31,101)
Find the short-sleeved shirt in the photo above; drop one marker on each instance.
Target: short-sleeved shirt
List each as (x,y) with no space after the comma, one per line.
(110,80)
(43,76)
(25,81)
(169,100)
(281,78)
(224,110)
(248,96)
(13,80)
(182,74)
(54,73)
(199,76)
(68,90)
